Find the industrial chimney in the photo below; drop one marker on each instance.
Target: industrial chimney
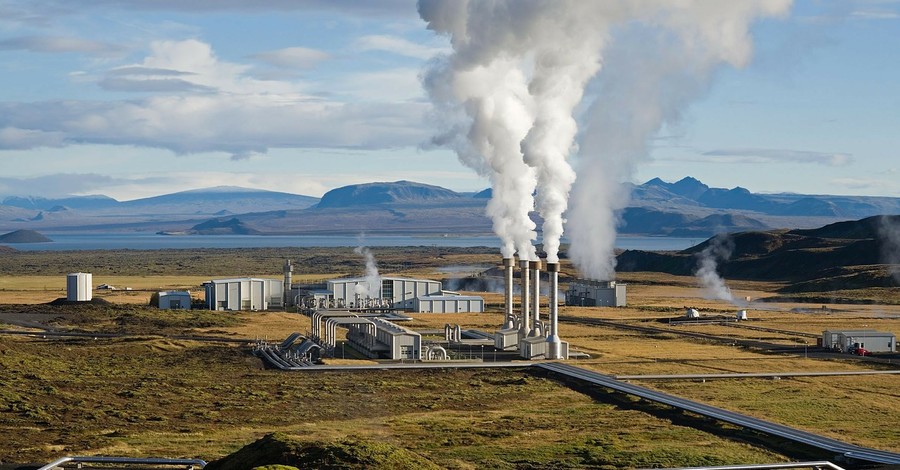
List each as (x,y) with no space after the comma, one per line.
(535,267)
(524,327)
(509,318)
(554,349)
(288,272)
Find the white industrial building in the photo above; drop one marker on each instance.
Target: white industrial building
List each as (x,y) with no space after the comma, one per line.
(244,294)
(449,302)
(79,287)
(175,300)
(871,340)
(589,293)
(417,295)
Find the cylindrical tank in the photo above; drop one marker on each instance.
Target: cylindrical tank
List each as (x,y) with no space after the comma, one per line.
(79,287)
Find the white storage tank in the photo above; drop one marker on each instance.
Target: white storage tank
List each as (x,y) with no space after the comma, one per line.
(79,287)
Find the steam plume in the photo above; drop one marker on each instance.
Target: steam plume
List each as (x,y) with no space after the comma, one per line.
(506,96)
(720,247)
(371,286)
(889,232)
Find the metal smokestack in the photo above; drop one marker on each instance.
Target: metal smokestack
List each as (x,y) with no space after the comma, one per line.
(524,327)
(554,347)
(288,271)
(509,320)
(535,267)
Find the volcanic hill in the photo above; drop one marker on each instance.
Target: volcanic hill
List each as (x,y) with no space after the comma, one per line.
(844,255)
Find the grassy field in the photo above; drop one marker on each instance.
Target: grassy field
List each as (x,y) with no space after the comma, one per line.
(155,396)
(180,398)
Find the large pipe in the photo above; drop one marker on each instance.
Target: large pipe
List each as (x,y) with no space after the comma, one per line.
(509,319)
(555,346)
(535,267)
(524,325)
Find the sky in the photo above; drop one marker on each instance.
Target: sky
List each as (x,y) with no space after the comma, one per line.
(139,98)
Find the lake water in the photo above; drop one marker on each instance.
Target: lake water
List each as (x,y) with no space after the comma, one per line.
(152,241)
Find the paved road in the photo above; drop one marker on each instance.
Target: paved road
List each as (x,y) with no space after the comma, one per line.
(87,334)
(796,435)
(746,375)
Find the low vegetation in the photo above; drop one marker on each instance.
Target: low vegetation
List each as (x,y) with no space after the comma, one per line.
(152,394)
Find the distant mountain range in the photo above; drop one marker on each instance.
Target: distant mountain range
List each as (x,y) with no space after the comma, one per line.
(686,208)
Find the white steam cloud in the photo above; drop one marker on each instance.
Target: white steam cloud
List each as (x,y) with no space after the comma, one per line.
(507,95)
(371,285)
(719,248)
(889,233)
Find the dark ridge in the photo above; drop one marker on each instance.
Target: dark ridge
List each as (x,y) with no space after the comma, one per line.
(846,255)
(282,450)
(24,236)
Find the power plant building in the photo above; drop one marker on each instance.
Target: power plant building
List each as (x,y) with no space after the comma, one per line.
(79,287)
(175,300)
(419,295)
(871,340)
(449,302)
(589,293)
(244,294)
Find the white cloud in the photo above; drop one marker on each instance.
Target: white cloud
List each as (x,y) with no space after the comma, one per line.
(203,104)
(755,155)
(60,44)
(55,185)
(16,138)
(397,45)
(293,57)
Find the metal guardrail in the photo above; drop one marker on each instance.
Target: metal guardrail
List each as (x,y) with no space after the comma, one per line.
(188,464)
(768,466)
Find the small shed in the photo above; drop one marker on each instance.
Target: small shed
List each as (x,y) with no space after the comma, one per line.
(175,300)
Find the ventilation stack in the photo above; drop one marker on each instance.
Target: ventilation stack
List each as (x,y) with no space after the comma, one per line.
(535,267)
(525,326)
(554,344)
(288,273)
(509,335)
(509,320)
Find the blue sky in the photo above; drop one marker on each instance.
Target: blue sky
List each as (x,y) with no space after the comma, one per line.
(143,97)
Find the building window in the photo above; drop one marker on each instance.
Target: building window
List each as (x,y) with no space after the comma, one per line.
(387,289)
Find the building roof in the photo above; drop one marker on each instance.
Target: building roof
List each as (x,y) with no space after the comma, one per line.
(174,293)
(239,279)
(383,278)
(446,296)
(392,328)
